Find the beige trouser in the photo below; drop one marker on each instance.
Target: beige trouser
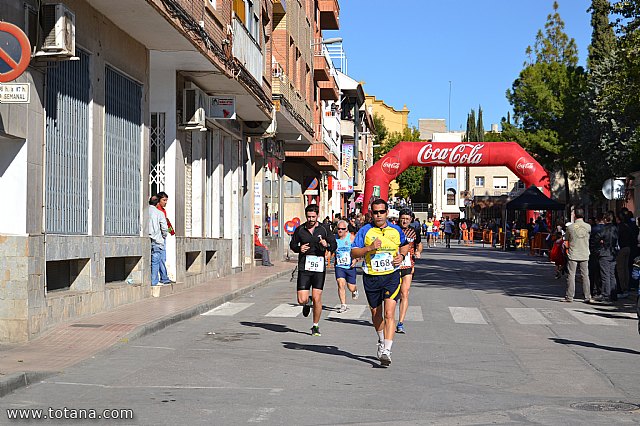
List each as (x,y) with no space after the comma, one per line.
(572,265)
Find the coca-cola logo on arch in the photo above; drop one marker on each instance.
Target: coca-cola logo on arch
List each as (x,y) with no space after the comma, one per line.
(391,166)
(461,154)
(525,166)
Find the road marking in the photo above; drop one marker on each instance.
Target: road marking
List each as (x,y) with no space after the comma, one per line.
(354,312)
(590,316)
(527,316)
(467,315)
(285,310)
(228,309)
(414,313)
(261,415)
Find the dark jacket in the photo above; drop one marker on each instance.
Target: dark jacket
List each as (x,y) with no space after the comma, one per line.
(606,240)
(302,236)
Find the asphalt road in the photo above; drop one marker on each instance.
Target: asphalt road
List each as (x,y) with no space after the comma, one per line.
(488,342)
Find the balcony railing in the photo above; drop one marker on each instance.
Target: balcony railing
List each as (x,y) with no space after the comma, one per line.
(247,51)
(281,85)
(329,138)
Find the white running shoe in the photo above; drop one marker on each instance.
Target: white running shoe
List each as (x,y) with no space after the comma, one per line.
(380,349)
(385,358)
(355,294)
(342,308)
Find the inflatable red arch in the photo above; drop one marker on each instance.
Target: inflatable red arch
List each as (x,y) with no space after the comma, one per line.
(465,154)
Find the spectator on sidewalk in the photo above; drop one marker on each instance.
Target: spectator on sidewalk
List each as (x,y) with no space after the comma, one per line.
(260,249)
(594,258)
(158,231)
(163,199)
(577,237)
(606,240)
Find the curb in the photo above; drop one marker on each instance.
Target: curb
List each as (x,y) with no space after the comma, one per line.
(15,381)
(193,311)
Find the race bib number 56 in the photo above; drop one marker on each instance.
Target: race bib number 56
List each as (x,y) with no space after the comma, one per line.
(314,263)
(382,262)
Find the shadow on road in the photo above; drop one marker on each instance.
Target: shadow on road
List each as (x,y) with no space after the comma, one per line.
(276,328)
(332,350)
(350,321)
(594,345)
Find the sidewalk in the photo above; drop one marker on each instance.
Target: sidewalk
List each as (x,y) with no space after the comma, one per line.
(69,343)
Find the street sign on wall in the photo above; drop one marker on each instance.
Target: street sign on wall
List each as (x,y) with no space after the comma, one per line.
(15,52)
(15,93)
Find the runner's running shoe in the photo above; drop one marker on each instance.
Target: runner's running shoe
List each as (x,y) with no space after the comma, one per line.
(385,358)
(400,328)
(315,331)
(380,349)
(306,309)
(342,308)
(355,294)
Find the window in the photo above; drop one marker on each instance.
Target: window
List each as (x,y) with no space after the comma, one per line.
(122,154)
(67,146)
(451,175)
(451,197)
(480,181)
(500,182)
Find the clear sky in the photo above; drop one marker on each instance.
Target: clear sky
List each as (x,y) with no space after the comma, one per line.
(407,51)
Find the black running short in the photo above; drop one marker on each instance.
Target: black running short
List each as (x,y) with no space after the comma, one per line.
(308,280)
(380,287)
(406,271)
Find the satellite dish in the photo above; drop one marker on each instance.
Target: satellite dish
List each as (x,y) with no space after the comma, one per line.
(613,189)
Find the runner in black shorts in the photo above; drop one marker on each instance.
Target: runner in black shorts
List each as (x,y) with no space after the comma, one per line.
(383,246)
(311,240)
(407,266)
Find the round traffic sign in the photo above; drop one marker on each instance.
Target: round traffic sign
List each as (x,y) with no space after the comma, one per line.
(15,52)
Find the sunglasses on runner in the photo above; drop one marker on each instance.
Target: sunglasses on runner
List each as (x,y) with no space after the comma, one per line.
(342,229)
(378,211)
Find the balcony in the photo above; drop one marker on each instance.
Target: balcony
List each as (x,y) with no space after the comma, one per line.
(321,62)
(247,51)
(329,14)
(286,95)
(329,89)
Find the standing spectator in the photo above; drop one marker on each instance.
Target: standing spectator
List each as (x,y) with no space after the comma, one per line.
(157,233)
(163,199)
(558,255)
(261,249)
(449,226)
(626,240)
(594,258)
(577,237)
(606,240)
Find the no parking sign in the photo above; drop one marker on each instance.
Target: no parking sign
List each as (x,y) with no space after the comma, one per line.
(15,52)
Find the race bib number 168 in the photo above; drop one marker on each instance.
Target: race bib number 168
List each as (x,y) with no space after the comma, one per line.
(382,262)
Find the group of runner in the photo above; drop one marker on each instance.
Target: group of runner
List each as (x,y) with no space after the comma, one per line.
(387,252)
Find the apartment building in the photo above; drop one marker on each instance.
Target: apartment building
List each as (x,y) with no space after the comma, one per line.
(357,143)
(305,96)
(129,98)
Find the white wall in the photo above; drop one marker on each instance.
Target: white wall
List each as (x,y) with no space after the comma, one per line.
(13,186)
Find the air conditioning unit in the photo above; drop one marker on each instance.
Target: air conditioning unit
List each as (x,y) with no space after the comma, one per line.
(194,103)
(59,30)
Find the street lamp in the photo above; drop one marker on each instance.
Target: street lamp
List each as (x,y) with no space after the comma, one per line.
(333,40)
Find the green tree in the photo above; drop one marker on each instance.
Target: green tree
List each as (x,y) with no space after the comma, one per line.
(546,99)
(480,126)
(611,131)
(603,39)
